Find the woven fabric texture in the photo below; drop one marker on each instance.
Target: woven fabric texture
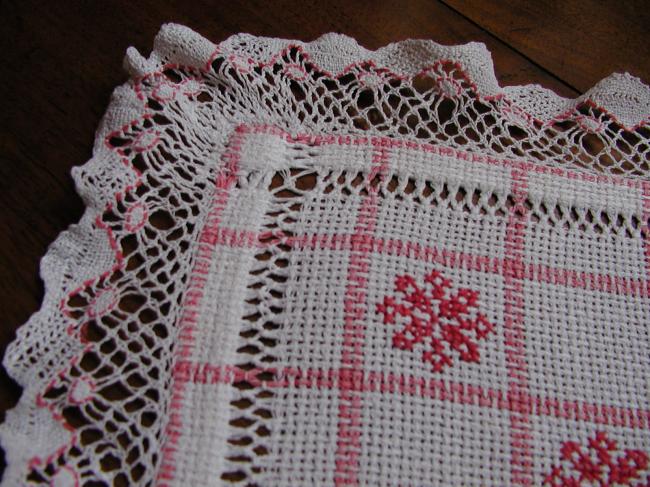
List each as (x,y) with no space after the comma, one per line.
(314,264)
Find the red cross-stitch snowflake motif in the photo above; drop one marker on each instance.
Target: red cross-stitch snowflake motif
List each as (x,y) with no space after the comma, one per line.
(601,464)
(432,315)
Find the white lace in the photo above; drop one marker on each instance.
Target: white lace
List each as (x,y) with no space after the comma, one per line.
(95,361)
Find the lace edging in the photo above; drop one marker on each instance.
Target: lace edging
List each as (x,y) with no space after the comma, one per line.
(623,96)
(43,344)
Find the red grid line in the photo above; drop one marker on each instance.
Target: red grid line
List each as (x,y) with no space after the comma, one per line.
(535,272)
(229,237)
(445,151)
(225,179)
(482,263)
(521,459)
(518,400)
(414,385)
(348,445)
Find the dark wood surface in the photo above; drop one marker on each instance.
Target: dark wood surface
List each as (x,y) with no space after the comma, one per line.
(61,60)
(580,42)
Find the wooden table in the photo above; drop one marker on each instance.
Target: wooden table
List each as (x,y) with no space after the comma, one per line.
(61,60)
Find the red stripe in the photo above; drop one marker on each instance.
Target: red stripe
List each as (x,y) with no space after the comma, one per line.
(518,394)
(521,166)
(541,273)
(420,386)
(535,272)
(481,263)
(348,445)
(211,234)
(229,237)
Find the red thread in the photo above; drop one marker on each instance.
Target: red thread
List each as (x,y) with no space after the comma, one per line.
(440,321)
(105,301)
(449,85)
(247,64)
(373,79)
(514,334)
(65,476)
(146,140)
(515,164)
(295,72)
(348,445)
(242,64)
(412,385)
(81,391)
(523,166)
(590,124)
(600,463)
(136,217)
(119,262)
(225,179)
(164,90)
(481,263)
(516,115)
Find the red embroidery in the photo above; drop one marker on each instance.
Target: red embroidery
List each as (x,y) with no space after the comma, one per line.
(600,463)
(435,317)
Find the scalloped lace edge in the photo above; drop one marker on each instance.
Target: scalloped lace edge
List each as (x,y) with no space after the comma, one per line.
(623,96)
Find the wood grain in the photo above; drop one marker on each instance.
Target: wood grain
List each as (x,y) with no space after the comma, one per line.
(62,60)
(581,42)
